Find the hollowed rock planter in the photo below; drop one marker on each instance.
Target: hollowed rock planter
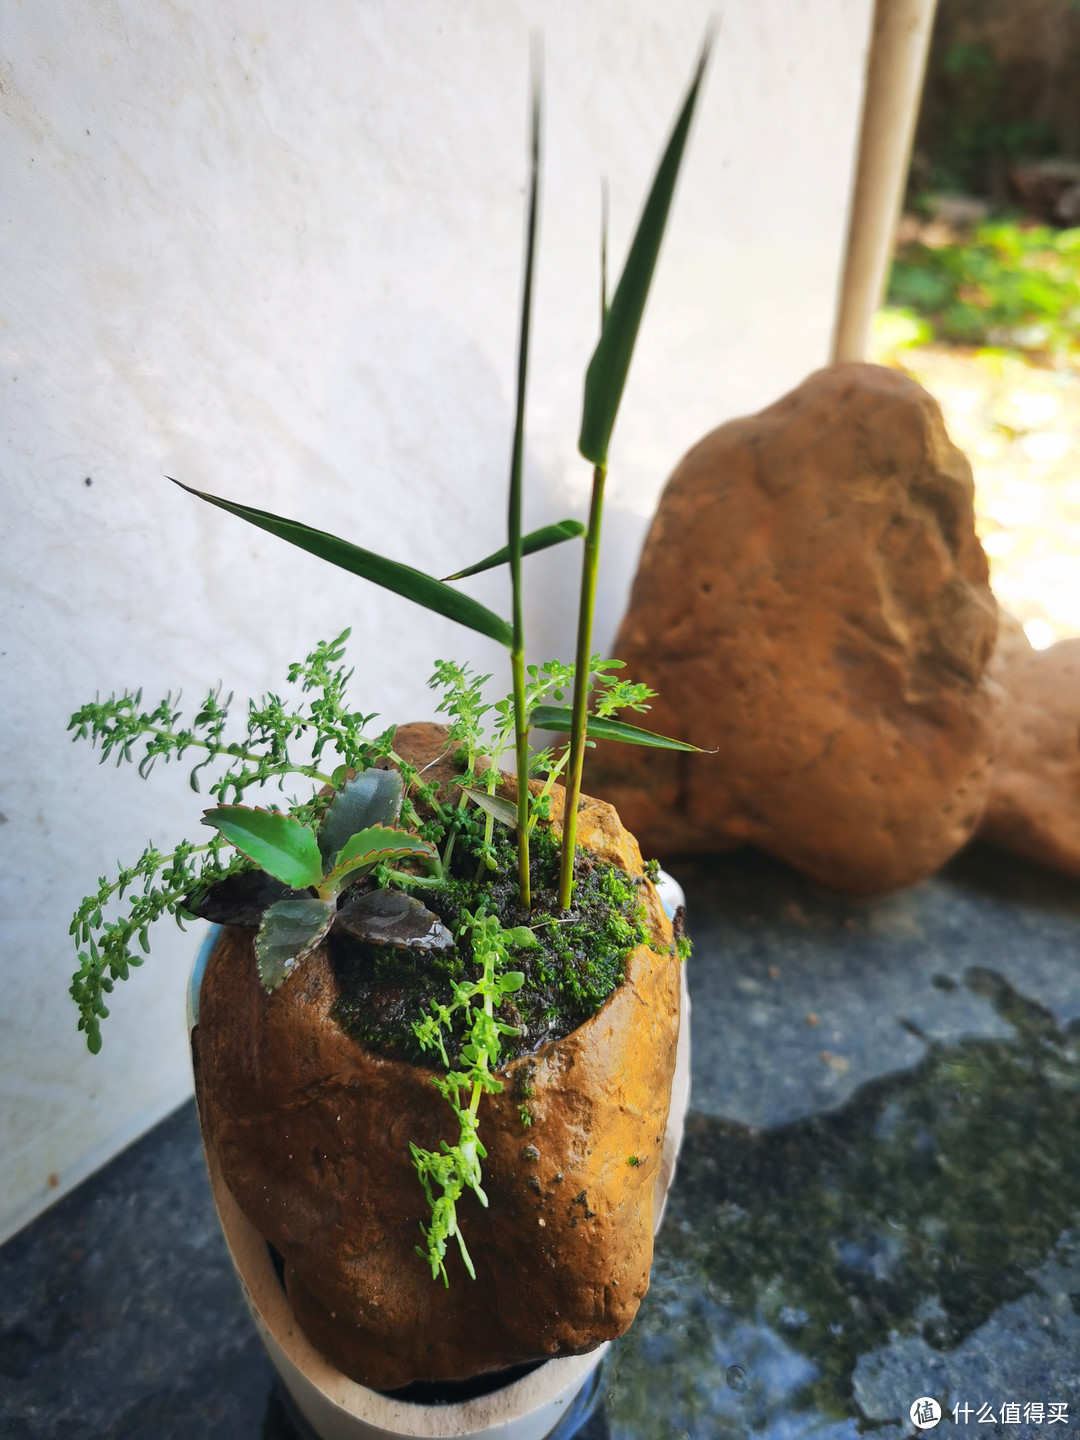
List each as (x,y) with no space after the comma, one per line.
(307,1137)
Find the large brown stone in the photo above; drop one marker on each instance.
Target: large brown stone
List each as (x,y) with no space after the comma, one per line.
(812,601)
(312,1132)
(1034,805)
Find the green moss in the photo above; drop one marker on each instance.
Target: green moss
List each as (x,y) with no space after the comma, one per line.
(579,960)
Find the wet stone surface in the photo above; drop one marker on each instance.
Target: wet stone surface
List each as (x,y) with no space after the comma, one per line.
(878,1198)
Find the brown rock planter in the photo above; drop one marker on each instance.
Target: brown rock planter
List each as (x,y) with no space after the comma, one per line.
(309,1133)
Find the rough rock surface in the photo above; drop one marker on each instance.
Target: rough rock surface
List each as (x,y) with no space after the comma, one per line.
(1034,804)
(813,602)
(313,1131)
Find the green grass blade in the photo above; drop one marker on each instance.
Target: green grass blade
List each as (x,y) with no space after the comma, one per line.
(604,206)
(541,539)
(514,537)
(605,378)
(401,579)
(600,727)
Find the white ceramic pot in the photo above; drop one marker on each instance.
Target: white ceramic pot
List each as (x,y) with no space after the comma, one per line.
(553,1396)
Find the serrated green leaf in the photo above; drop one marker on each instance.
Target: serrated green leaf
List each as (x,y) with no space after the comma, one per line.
(376,845)
(372,798)
(511,981)
(541,539)
(390,574)
(279,844)
(605,378)
(289,932)
(559,717)
(505,811)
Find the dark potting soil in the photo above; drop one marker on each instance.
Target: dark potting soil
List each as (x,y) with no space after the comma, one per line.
(580,957)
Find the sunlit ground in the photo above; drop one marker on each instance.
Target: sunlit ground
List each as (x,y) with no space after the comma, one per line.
(1019,425)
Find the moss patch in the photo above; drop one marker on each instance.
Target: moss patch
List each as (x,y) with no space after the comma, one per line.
(580,959)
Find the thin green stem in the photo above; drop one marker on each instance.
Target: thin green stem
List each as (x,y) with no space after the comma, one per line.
(580,706)
(521,738)
(517,649)
(237,752)
(422,882)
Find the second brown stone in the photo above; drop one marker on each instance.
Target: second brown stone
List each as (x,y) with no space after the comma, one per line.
(812,601)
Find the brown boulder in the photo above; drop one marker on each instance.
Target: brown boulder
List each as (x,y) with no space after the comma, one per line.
(312,1132)
(1034,804)
(812,601)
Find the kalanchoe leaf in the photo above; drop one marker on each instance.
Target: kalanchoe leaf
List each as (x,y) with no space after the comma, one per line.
(387,917)
(279,844)
(239,899)
(503,810)
(289,932)
(541,539)
(376,845)
(372,798)
(601,727)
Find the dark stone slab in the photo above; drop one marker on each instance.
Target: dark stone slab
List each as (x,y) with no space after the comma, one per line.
(876,1206)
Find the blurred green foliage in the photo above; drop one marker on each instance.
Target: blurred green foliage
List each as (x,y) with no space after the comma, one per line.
(1009,285)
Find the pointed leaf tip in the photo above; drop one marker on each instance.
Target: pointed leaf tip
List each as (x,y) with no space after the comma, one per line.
(605,378)
(541,539)
(602,727)
(401,579)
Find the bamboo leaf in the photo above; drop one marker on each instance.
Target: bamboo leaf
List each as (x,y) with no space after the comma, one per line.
(279,844)
(504,811)
(289,932)
(559,717)
(390,574)
(541,539)
(605,378)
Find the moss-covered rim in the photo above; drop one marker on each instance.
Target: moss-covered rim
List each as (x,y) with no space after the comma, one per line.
(578,962)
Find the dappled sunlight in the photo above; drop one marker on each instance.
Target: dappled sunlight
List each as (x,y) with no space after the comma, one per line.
(1019,425)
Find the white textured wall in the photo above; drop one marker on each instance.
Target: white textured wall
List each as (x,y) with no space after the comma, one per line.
(275,250)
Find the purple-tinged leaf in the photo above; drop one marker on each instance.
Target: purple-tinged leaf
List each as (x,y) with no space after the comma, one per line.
(388,917)
(290,930)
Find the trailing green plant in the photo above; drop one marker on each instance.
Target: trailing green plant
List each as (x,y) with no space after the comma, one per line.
(456,1167)
(1009,285)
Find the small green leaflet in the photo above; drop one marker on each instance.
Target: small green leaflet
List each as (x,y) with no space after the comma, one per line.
(374,846)
(289,932)
(279,844)
(599,727)
(541,539)
(605,378)
(390,574)
(521,937)
(504,811)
